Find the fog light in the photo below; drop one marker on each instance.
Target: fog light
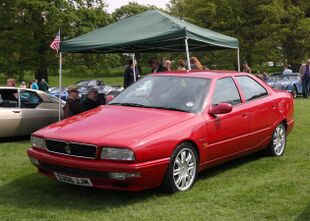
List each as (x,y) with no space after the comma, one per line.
(123,176)
(34,161)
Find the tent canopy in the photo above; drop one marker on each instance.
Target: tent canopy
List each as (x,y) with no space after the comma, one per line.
(151,31)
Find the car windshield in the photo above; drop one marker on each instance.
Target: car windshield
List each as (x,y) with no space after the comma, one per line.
(175,93)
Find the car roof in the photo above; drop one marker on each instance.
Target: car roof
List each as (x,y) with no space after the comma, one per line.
(210,74)
(16,88)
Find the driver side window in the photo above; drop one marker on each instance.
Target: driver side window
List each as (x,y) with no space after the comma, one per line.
(226,92)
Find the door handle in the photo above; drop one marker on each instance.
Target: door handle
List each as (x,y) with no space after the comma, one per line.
(244,115)
(274,106)
(16,112)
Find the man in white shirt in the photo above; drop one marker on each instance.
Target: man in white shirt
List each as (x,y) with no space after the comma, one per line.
(288,69)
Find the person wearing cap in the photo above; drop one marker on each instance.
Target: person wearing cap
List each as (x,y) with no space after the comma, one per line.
(156,67)
(73,105)
(91,101)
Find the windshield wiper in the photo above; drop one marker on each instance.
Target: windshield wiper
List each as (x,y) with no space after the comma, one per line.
(169,108)
(129,104)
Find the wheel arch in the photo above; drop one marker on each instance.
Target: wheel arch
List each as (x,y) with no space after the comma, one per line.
(195,146)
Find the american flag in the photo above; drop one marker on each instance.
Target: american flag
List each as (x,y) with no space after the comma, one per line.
(56,42)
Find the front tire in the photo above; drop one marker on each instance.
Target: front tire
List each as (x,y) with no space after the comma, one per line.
(182,170)
(278,142)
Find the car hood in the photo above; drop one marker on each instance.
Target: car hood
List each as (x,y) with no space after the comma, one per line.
(113,125)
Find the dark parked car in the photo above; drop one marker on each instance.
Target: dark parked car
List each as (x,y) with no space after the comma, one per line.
(55,92)
(83,85)
(287,82)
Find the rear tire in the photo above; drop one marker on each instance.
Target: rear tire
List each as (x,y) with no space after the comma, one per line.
(294,91)
(278,141)
(182,171)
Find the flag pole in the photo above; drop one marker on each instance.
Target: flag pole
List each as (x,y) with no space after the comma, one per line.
(60,81)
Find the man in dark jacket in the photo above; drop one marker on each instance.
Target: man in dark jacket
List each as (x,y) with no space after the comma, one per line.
(91,101)
(129,75)
(156,67)
(43,86)
(73,105)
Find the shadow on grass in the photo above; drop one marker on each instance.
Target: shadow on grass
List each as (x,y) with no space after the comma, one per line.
(229,165)
(37,191)
(305,215)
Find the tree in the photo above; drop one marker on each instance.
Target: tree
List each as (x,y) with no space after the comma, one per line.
(27,28)
(131,9)
(268,30)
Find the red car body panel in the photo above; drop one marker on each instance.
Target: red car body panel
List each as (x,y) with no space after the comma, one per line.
(154,134)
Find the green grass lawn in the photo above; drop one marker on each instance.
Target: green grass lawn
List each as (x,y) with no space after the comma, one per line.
(70,80)
(250,188)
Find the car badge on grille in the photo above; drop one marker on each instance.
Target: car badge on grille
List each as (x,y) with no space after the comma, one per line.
(68,149)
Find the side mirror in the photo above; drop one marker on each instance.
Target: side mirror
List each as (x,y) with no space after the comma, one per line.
(222,108)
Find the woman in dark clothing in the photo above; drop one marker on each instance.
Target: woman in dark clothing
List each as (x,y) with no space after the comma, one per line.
(128,75)
(73,105)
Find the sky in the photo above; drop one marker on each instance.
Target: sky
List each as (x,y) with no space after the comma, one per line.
(113,4)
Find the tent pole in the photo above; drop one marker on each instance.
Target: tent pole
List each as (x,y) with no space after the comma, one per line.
(133,67)
(187,55)
(60,80)
(238,57)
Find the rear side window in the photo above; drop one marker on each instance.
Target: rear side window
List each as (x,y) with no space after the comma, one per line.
(226,92)
(29,99)
(251,89)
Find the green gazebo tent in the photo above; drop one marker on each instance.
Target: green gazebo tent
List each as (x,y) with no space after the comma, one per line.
(151,31)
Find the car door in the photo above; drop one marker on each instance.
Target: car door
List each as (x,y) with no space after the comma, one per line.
(32,116)
(10,113)
(227,133)
(263,110)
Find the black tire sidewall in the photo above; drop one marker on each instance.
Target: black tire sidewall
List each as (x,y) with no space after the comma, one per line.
(168,183)
(271,149)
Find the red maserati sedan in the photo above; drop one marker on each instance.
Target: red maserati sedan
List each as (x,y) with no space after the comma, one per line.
(164,129)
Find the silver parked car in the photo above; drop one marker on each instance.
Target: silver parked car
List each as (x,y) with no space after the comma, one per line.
(23,111)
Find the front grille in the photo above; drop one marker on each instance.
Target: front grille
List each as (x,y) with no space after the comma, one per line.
(71,149)
(72,171)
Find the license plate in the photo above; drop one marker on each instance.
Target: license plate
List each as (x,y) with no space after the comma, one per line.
(73,180)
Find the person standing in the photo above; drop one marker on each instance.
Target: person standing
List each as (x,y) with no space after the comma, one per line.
(91,101)
(195,64)
(43,86)
(288,69)
(304,72)
(11,82)
(23,84)
(182,65)
(73,106)
(246,68)
(156,67)
(34,85)
(167,65)
(129,75)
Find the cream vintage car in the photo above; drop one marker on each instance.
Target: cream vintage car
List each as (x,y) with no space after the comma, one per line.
(23,111)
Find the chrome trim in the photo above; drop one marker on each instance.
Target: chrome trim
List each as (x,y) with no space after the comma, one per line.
(68,142)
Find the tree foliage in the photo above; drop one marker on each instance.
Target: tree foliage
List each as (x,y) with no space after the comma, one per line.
(268,30)
(27,28)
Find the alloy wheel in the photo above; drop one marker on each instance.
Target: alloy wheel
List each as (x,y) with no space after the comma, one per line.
(184,169)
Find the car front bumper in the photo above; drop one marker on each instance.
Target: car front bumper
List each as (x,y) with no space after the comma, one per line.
(146,174)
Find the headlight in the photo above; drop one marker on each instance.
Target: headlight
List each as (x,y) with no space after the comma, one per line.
(117,154)
(37,142)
